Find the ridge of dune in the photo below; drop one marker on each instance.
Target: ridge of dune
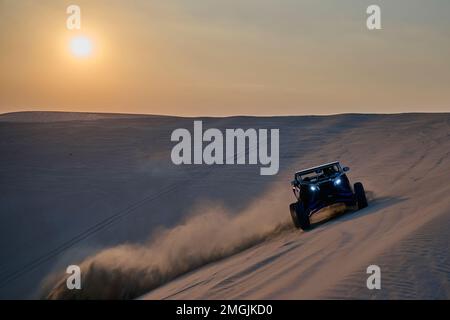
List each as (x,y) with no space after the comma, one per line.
(56,116)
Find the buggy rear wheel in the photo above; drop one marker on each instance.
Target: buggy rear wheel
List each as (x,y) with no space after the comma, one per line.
(360,194)
(300,216)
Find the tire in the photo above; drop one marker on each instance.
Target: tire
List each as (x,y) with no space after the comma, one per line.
(300,216)
(360,195)
(292,209)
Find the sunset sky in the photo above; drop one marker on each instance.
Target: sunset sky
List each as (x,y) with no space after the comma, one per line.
(204,57)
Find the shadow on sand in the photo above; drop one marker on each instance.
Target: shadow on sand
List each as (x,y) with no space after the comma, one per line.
(340,213)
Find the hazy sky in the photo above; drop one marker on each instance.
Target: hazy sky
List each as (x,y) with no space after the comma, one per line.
(205,57)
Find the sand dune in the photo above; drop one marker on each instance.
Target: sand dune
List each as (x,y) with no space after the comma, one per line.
(56,116)
(104,194)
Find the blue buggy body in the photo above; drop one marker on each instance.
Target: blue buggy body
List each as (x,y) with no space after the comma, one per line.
(321,186)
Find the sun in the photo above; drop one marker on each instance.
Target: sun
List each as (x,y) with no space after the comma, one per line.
(81,46)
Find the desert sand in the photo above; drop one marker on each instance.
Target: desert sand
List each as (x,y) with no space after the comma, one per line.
(101,191)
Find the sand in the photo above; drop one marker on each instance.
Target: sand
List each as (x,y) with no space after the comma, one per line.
(103,193)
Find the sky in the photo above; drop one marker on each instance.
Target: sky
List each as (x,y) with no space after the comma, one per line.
(226,57)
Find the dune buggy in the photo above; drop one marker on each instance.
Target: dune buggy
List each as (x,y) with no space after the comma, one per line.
(320,187)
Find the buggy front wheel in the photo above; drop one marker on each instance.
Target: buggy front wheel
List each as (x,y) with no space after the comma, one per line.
(360,195)
(300,216)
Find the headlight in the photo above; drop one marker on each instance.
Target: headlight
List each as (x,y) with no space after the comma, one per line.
(312,188)
(337,181)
